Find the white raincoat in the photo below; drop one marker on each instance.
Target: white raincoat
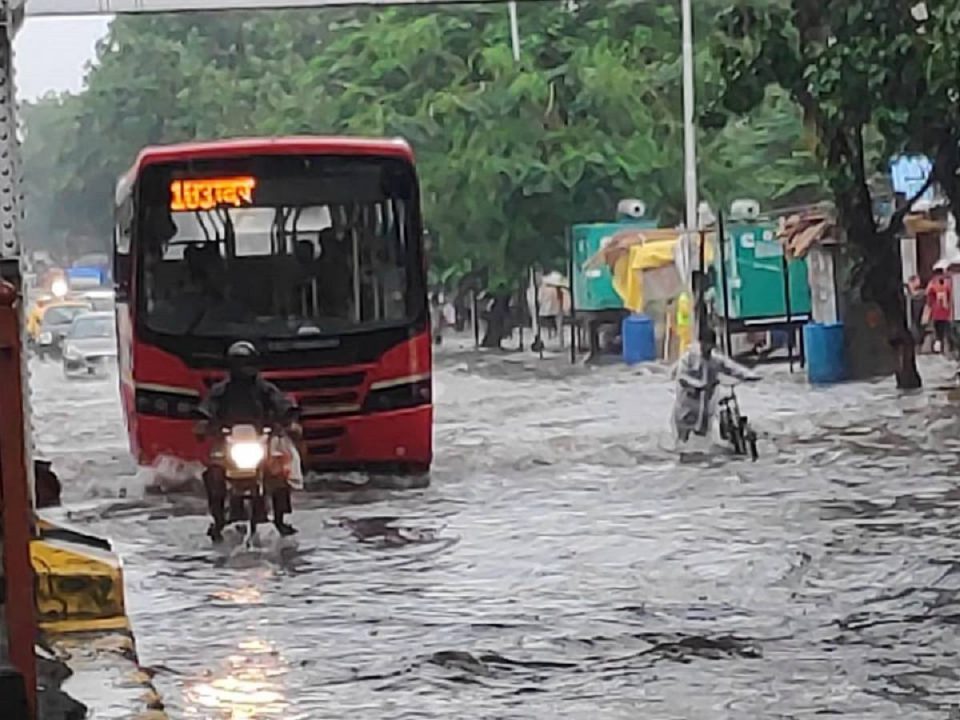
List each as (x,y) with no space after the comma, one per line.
(294,465)
(697,380)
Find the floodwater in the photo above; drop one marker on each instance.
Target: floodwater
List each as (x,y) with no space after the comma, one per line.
(563,563)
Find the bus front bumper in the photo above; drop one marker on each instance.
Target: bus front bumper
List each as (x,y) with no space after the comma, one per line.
(392,440)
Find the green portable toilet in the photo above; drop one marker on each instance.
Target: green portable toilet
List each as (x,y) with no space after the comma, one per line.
(593,288)
(754,270)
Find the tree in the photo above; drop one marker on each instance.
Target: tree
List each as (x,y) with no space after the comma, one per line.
(861,72)
(926,115)
(510,154)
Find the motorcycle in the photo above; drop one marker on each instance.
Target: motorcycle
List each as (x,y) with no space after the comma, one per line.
(735,427)
(253,464)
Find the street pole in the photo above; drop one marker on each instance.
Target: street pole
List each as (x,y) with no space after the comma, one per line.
(18,664)
(18,684)
(689,147)
(514,30)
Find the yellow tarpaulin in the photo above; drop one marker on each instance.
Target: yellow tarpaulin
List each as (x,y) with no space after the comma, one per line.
(629,268)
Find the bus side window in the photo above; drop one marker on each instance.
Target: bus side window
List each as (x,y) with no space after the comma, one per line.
(122,267)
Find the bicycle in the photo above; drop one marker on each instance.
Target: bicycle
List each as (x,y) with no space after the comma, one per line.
(735,427)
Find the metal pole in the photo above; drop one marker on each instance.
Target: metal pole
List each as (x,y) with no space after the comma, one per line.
(722,242)
(514,30)
(701,312)
(786,300)
(689,143)
(573,300)
(18,579)
(476,317)
(522,319)
(18,685)
(536,312)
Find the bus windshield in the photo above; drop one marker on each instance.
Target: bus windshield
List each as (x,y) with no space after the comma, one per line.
(279,247)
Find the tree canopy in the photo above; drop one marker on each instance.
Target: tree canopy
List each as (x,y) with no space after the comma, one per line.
(509,153)
(873,78)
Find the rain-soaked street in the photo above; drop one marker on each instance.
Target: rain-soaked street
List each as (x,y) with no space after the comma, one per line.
(563,562)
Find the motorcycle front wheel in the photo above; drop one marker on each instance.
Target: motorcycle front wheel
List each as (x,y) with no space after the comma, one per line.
(258,511)
(238,509)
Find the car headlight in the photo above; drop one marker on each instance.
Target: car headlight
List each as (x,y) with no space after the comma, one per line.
(246,455)
(46,338)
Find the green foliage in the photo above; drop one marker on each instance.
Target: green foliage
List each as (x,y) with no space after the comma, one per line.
(510,153)
(873,78)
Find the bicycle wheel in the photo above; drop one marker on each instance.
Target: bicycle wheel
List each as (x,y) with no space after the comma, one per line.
(725,425)
(736,439)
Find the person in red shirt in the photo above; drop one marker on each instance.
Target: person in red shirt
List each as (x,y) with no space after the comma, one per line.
(940,305)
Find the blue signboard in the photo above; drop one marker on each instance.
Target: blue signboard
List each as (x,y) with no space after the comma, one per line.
(909,173)
(79,277)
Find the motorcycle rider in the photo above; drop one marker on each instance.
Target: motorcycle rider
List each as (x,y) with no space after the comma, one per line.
(244,397)
(698,374)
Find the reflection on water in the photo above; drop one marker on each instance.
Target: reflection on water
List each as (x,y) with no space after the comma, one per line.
(244,595)
(248,688)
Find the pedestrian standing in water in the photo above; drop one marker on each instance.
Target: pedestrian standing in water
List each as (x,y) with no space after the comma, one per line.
(940,305)
(436,316)
(552,307)
(917,301)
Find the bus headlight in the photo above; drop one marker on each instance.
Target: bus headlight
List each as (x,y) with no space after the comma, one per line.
(399,397)
(246,455)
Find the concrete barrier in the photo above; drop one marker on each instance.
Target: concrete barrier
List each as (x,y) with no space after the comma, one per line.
(84,627)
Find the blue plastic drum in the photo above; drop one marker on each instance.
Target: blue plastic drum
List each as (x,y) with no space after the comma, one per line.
(826,362)
(639,339)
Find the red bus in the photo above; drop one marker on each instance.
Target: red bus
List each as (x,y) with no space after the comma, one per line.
(309,247)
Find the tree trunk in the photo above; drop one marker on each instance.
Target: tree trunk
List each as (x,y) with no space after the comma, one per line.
(945,170)
(908,377)
(880,249)
(882,285)
(497,323)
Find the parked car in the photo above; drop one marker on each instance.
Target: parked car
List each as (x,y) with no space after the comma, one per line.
(90,344)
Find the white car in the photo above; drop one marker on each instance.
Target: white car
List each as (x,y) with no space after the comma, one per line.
(90,344)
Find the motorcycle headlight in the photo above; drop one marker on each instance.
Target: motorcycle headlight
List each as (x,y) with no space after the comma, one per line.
(246,455)
(46,338)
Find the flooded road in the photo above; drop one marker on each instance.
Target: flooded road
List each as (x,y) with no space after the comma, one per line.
(563,562)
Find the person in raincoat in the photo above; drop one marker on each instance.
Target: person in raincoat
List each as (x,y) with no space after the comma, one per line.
(684,322)
(698,374)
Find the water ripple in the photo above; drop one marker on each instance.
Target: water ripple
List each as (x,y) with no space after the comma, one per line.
(564,562)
